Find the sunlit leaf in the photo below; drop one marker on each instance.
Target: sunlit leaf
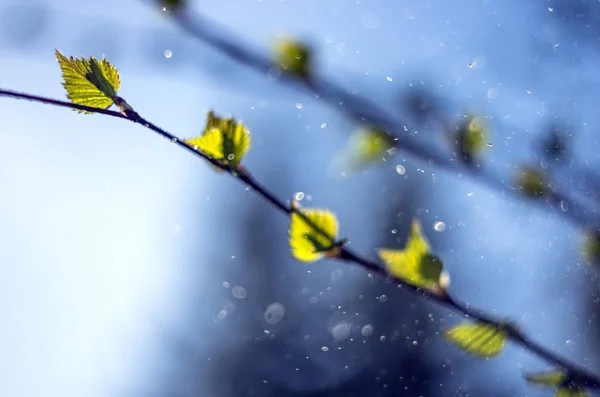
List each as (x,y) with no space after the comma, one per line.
(89,82)
(471,138)
(310,242)
(532,182)
(479,339)
(556,379)
(223,139)
(414,264)
(293,57)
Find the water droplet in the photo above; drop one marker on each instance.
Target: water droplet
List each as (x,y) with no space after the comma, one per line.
(382,338)
(230,156)
(341,331)
(323,125)
(550,9)
(564,206)
(336,275)
(226,284)
(415,343)
(298,106)
(382,298)
(471,194)
(274,313)
(389,78)
(367,330)
(568,342)
(168,53)
(239,292)
(325,348)
(299,196)
(439,226)
(400,169)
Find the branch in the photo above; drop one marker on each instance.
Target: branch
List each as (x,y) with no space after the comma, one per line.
(363,110)
(514,333)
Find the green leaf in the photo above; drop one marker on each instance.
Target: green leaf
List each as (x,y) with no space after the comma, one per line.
(532,182)
(89,82)
(366,146)
(471,138)
(479,339)
(223,139)
(548,378)
(590,248)
(414,264)
(557,379)
(293,57)
(570,392)
(311,242)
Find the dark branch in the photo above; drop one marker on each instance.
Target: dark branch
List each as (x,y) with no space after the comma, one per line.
(514,333)
(363,110)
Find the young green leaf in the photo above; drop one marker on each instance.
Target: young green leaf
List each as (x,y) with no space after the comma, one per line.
(223,139)
(293,57)
(89,82)
(532,182)
(414,264)
(549,378)
(479,339)
(311,242)
(570,392)
(590,248)
(471,138)
(366,146)
(558,380)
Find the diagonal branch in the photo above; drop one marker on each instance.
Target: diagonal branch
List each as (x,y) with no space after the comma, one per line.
(514,333)
(362,110)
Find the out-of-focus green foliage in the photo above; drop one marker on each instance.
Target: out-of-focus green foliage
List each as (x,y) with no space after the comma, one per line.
(532,182)
(293,57)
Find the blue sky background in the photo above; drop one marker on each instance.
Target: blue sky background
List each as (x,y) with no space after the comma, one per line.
(102,223)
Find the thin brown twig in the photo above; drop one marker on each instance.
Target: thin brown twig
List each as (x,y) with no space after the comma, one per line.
(514,333)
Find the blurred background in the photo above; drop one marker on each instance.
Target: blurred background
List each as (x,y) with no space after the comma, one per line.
(130,268)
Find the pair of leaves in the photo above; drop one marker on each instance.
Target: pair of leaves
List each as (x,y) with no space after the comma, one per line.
(415,264)
(95,83)
(89,82)
(559,380)
(223,139)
